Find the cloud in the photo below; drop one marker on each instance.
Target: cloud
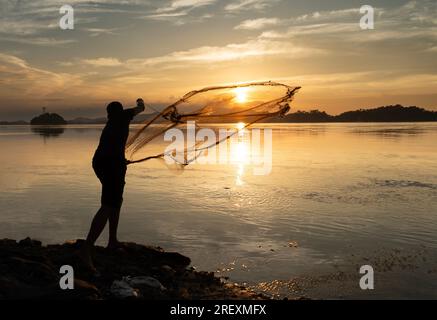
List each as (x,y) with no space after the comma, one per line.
(102,62)
(411,21)
(27,86)
(241,5)
(95,32)
(135,79)
(36,22)
(231,52)
(256,24)
(320,16)
(185,4)
(178,11)
(18,78)
(40,41)
(178,18)
(167,15)
(13,60)
(204,55)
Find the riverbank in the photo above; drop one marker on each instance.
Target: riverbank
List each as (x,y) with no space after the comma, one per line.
(29,270)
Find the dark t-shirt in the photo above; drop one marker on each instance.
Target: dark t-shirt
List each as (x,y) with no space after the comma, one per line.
(114,136)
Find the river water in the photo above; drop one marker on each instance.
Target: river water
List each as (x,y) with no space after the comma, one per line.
(338,196)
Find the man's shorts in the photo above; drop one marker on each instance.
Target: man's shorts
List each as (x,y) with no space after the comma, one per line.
(111,174)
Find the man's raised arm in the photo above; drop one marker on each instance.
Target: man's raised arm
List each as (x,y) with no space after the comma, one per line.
(140,107)
(132,112)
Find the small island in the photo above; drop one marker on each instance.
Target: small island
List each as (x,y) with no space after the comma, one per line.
(47,118)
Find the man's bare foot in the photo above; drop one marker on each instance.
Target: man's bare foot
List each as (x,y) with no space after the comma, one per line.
(114,245)
(85,256)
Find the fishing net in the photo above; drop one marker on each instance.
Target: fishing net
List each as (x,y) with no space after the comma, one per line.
(211,107)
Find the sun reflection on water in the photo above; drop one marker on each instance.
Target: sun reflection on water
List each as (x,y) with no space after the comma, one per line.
(240,152)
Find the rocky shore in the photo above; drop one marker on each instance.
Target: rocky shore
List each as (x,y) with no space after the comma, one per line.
(29,270)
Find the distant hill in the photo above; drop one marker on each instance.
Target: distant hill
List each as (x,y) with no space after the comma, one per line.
(7,123)
(396,113)
(305,116)
(48,119)
(138,119)
(82,120)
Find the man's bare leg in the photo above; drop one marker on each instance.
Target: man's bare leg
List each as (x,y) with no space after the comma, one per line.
(113,227)
(97,226)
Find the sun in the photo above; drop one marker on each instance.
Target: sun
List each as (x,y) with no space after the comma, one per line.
(241,95)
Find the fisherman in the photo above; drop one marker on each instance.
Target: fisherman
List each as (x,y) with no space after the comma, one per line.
(110,165)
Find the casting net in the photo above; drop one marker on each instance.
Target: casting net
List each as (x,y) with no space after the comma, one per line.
(212,108)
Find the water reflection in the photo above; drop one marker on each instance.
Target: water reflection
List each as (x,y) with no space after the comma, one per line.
(48,131)
(240,152)
(390,132)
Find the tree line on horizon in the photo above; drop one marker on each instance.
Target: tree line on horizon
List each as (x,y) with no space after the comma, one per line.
(393,113)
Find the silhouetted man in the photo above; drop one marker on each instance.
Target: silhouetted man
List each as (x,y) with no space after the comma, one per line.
(109,164)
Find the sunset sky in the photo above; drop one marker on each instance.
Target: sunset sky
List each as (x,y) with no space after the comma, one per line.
(159,50)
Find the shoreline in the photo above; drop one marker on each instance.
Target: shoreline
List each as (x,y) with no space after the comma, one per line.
(259,123)
(384,114)
(31,270)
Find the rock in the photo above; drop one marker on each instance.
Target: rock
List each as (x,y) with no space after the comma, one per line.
(86,289)
(167,271)
(29,270)
(183,293)
(12,288)
(82,290)
(122,290)
(147,287)
(148,282)
(29,243)
(7,242)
